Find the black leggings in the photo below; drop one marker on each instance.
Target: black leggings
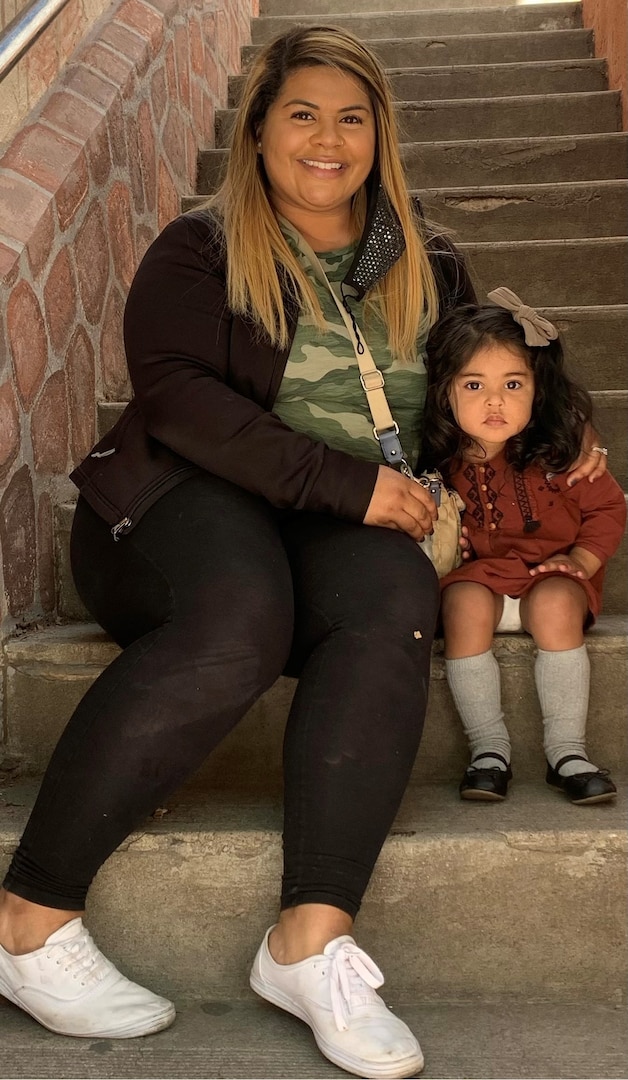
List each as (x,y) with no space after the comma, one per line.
(212,596)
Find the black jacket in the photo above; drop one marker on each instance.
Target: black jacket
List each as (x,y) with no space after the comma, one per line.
(204,385)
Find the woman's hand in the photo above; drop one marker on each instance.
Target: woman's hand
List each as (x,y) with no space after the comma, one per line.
(402,504)
(592,461)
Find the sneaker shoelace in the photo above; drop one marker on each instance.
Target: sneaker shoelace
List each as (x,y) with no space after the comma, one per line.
(81,957)
(353,978)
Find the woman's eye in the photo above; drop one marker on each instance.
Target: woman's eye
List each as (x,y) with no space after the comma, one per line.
(301,115)
(351,120)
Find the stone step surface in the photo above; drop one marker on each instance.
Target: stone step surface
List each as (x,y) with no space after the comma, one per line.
(325,8)
(521,211)
(475,888)
(245,1038)
(476,48)
(399,24)
(595,343)
(481,162)
(242,1039)
(492,117)
(531,211)
(551,273)
(47,673)
(483,80)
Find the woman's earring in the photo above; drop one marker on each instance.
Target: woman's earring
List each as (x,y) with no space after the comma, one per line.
(259,145)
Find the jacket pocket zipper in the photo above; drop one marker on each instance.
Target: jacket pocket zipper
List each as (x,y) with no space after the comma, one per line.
(126,522)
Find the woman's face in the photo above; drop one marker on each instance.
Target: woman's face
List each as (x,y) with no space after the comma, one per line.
(318,143)
(491,397)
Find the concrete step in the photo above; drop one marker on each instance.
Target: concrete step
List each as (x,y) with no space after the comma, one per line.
(521,211)
(329,8)
(491,118)
(483,80)
(245,1038)
(475,48)
(47,672)
(482,162)
(552,273)
(531,211)
(610,415)
(400,24)
(460,890)
(595,343)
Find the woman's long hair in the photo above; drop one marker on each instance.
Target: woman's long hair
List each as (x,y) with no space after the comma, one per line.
(560,410)
(254,242)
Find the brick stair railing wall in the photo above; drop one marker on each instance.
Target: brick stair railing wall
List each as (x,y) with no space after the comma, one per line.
(609,21)
(86,183)
(31,77)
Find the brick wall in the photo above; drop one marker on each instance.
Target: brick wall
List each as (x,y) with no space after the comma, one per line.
(609,22)
(29,80)
(85,185)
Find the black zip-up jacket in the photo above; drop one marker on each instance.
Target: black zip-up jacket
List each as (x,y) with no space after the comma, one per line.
(204,383)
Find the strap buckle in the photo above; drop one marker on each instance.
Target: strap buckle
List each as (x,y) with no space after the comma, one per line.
(372,380)
(390,445)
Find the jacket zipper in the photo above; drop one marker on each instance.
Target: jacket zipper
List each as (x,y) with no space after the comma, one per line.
(126,522)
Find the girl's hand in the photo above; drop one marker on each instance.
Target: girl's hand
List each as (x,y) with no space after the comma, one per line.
(464,543)
(401,504)
(578,563)
(592,461)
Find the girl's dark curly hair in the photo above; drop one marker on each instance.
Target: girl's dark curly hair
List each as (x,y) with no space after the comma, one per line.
(560,410)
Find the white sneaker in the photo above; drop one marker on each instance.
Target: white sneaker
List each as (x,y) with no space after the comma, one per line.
(72,989)
(334,993)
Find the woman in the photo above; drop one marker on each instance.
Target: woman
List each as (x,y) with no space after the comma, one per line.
(238,484)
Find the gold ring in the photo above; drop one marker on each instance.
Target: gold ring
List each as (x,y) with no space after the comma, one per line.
(600,450)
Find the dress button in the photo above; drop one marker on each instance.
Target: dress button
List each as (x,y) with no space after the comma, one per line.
(492,525)
(481,469)
(483,487)
(489,506)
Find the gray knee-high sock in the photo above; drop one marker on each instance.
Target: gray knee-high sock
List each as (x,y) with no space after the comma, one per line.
(562,683)
(476,689)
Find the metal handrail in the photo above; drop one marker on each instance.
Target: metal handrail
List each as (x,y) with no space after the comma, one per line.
(24,29)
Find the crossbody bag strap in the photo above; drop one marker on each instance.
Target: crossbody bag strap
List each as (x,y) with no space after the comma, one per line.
(385,429)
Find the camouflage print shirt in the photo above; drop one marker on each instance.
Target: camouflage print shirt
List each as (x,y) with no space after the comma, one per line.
(321,394)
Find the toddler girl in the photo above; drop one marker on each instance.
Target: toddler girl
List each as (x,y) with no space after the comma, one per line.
(505,424)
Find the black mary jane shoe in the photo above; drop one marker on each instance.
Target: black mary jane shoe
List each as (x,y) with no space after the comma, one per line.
(582,788)
(485,785)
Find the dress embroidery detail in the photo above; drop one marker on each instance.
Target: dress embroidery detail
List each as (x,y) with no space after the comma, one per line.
(470,474)
(527,503)
(473,495)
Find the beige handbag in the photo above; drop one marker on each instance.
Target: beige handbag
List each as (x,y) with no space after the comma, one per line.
(442,546)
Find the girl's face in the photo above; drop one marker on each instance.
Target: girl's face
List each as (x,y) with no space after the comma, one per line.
(318,143)
(491,397)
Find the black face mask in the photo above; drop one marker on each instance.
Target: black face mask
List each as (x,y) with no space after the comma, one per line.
(381,245)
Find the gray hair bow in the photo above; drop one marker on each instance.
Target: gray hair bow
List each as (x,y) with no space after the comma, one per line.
(536,329)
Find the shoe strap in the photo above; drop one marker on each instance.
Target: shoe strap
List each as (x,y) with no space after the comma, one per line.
(490,753)
(570,757)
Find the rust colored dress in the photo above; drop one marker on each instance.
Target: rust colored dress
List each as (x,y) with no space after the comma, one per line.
(516,520)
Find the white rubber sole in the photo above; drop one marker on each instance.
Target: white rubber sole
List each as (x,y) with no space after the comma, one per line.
(134,1030)
(399,1070)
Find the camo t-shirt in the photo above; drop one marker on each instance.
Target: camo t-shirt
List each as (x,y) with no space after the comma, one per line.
(321,394)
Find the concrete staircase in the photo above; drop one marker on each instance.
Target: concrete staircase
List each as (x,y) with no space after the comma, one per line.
(501,928)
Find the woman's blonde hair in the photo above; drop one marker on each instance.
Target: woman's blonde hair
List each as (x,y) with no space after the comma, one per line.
(254,242)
